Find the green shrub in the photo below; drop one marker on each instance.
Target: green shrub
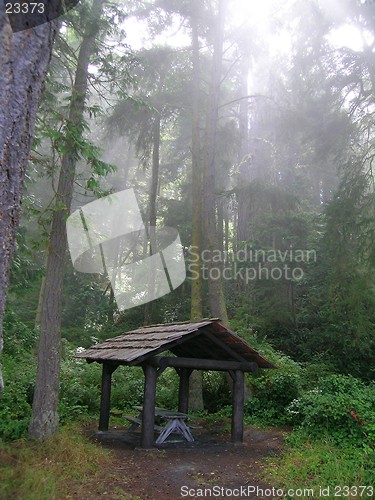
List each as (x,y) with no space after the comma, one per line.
(127,387)
(79,390)
(314,370)
(19,374)
(273,392)
(272,389)
(342,407)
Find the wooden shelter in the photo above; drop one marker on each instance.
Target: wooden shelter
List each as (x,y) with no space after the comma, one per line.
(200,345)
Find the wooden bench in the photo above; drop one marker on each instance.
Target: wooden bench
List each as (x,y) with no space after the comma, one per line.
(194,426)
(137,422)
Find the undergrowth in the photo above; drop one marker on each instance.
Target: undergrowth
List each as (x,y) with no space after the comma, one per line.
(50,469)
(307,463)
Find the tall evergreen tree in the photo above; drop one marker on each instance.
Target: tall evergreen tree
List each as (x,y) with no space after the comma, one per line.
(44,419)
(24,59)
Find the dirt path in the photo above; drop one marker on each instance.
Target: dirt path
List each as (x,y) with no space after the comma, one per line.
(183,470)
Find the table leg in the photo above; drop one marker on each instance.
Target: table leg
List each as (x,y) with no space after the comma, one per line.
(175,425)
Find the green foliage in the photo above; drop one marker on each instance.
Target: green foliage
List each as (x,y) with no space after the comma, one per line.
(18,337)
(316,369)
(338,310)
(25,281)
(16,398)
(86,307)
(79,388)
(67,138)
(337,318)
(127,388)
(23,272)
(167,389)
(271,307)
(340,407)
(216,392)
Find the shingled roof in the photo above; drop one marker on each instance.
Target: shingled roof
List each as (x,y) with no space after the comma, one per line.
(205,339)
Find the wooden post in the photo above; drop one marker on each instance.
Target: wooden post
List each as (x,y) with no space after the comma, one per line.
(148,415)
(238,403)
(105,400)
(183,393)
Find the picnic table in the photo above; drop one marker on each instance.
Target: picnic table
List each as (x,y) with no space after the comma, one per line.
(176,422)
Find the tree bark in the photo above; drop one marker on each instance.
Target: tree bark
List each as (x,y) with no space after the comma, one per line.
(24,59)
(44,420)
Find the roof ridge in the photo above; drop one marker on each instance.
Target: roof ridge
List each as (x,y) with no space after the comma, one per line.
(179,323)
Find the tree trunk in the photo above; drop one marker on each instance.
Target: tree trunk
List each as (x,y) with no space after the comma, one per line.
(220,225)
(196,312)
(24,59)
(152,203)
(44,420)
(196,177)
(215,286)
(226,234)
(244,174)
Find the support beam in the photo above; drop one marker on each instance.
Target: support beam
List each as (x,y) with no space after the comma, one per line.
(105,399)
(202,364)
(223,346)
(160,371)
(238,404)
(148,415)
(183,392)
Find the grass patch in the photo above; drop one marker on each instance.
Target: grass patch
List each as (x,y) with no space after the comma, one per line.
(48,470)
(313,464)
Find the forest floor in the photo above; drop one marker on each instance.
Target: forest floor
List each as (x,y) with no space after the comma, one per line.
(175,469)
